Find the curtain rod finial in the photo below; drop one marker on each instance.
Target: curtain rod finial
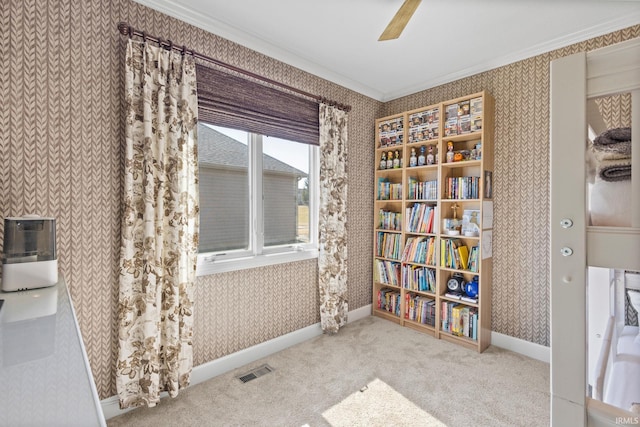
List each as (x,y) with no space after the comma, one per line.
(123,27)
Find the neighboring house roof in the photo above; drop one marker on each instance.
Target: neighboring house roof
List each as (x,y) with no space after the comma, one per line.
(218,149)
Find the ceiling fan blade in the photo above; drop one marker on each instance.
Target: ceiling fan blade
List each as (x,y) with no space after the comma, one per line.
(400,20)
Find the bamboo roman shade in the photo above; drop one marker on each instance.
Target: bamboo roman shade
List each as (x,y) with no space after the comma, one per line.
(231,101)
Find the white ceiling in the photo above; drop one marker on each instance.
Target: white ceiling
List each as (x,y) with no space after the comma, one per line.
(444,41)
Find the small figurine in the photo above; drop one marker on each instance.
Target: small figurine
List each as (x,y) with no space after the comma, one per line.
(383,161)
(396,160)
(430,156)
(390,160)
(413,160)
(421,158)
(449,152)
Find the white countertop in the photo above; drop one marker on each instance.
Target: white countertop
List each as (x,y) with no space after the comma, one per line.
(45,378)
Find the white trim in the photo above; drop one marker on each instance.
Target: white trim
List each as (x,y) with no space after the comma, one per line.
(526,348)
(206,371)
(604,79)
(222,29)
(560,42)
(207,265)
(233,34)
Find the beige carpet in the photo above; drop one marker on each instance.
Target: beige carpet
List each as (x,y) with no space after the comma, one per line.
(373,373)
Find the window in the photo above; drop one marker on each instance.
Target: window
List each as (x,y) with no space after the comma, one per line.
(258,199)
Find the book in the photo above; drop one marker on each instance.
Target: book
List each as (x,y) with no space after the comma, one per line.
(431,313)
(457,327)
(473,323)
(408,307)
(444,319)
(452,295)
(469,299)
(463,253)
(465,321)
(473,259)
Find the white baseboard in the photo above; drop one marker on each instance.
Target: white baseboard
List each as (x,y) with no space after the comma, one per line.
(526,348)
(206,371)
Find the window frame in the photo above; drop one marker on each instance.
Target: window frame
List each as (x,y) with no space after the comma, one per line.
(257,255)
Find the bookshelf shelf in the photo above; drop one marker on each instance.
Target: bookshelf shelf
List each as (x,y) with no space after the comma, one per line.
(445,181)
(387,315)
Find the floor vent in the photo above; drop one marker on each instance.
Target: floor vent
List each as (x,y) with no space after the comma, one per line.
(255,373)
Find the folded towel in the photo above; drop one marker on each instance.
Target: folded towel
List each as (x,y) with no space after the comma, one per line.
(615,170)
(616,141)
(602,156)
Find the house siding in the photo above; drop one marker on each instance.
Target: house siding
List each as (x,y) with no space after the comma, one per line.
(224,209)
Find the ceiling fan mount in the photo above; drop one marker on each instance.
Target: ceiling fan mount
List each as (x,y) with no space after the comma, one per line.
(400,20)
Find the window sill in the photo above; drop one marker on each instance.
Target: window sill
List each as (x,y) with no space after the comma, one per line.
(205,268)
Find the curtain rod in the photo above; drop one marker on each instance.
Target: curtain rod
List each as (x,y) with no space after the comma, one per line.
(126,30)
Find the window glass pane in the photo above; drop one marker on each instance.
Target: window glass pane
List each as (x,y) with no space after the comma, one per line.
(224,188)
(285,186)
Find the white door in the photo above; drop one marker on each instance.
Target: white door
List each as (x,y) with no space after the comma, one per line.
(575,244)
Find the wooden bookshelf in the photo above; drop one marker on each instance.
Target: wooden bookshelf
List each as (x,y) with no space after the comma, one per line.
(419,187)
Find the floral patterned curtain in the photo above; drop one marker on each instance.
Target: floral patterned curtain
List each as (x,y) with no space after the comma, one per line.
(332,262)
(159,225)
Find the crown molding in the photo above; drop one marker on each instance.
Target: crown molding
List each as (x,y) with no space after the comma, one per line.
(252,42)
(560,42)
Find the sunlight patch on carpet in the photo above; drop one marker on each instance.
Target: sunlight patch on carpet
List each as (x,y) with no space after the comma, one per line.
(378,404)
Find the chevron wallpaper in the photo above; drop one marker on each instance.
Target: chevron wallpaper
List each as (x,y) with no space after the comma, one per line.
(61,156)
(520,300)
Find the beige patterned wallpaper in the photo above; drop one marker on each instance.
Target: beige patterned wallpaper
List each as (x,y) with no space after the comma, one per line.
(520,300)
(60,155)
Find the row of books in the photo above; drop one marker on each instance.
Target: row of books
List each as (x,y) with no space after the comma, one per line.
(462,187)
(463,117)
(420,250)
(389,220)
(389,300)
(473,259)
(459,319)
(420,309)
(420,218)
(387,272)
(425,190)
(389,245)
(454,254)
(389,190)
(417,278)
